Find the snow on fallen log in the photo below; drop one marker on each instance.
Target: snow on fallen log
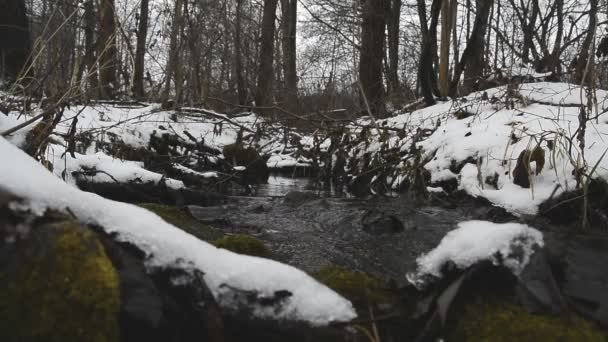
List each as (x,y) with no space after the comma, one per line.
(273,290)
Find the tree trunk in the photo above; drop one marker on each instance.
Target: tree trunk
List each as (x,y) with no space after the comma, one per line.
(264,94)
(427,76)
(444,54)
(140,52)
(393,48)
(473,60)
(107,51)
(370,58)
(14,39)
(87,64)
(290,19)
(238,55)
(580,65)
(173,54)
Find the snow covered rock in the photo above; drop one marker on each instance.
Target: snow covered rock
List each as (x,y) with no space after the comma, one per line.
(507,244)
(267,289)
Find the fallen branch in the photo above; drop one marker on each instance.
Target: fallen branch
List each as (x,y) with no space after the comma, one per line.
(22,125)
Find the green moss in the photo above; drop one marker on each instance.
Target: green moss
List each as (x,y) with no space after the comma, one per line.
(64,289)
(181,218)
(243,244)
(360,288)
(500,321)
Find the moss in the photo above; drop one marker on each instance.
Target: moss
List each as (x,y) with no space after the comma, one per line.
(243,244)
(64,288)
(500,321)
(181,218)
(360,288)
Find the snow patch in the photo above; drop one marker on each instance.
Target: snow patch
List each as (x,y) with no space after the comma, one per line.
(509,244)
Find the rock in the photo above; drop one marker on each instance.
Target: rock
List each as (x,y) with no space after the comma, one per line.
(297,198)
(56,281)
(376,223)
(585,277)
(482,304)
(537,288)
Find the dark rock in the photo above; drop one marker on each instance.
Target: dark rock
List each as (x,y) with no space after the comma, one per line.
(297,198)
(376,223)
(537,288)
(567,208)
(585,277)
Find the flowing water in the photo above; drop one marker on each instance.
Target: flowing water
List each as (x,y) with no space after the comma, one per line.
(315,228)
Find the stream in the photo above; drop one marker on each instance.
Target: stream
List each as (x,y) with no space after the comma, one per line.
(310,229)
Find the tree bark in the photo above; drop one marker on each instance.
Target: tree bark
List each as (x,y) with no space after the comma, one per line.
(427,77)
(238,55)
(444,54)
(107,51)
(289,24)
(580,65)
(393,48)
(173,54)
(473,58)
(370,58)
(264,91)
(140,52)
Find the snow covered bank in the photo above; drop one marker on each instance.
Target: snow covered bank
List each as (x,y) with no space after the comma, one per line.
(167,246)
(509,244)
(474,142)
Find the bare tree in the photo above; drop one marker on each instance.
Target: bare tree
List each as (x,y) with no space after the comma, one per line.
(473,61)
(288,28)
(393,22)
(427,77)
(107,52)
(140,52)
(264,91)
(172,66)
(370,57)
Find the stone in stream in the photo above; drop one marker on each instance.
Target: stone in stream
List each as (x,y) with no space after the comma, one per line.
(297,198)
(376,223)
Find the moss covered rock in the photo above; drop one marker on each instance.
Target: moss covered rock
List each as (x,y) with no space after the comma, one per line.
(182,218)
(360,288)
(243,244)
(58,285)
(499,321)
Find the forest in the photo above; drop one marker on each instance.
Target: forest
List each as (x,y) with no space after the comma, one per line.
(306,170)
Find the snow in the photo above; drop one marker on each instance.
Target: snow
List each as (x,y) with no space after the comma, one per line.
(509,244)
(488,142)
(106,169)
(7,122)
(277,161)
(167,246)
(206,175)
